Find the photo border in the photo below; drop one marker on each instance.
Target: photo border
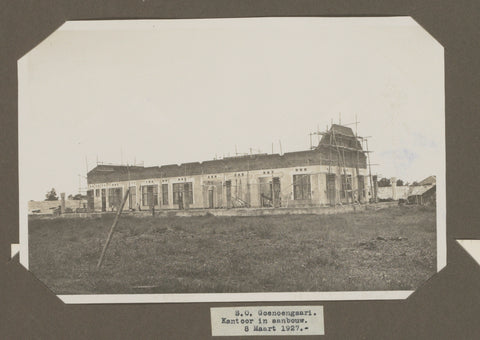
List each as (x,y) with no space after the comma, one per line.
(141,24)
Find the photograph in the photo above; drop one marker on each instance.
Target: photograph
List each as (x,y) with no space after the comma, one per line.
(246,159)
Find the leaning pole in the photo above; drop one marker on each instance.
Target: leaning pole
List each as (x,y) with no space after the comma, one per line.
(109,237)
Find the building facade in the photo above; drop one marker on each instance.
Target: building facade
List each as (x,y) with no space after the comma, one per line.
(334,172)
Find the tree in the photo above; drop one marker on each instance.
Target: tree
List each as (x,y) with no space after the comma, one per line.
(399,183)
(78,197)
(384,182)
(51,195)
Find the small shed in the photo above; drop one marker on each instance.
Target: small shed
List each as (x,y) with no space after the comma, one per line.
(423,195)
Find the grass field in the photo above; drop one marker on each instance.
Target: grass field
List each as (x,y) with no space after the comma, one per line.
(388,249)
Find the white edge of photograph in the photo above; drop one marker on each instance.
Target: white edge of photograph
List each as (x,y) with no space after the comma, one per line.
(336,109)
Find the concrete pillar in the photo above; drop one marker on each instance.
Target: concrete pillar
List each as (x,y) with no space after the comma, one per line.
(393,182)
(62,203)
(186,197)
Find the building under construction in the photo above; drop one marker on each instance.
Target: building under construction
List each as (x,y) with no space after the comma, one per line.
(334,172)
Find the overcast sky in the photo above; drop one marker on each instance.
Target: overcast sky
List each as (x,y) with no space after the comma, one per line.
(173,91)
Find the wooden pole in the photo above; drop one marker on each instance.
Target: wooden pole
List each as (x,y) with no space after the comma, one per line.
(370,170)
(109,237)
(273,192)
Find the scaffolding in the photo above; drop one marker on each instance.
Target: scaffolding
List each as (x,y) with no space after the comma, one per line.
(343,156)
(335,146)
(349,172)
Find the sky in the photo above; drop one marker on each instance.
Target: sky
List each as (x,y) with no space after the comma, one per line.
(172,91)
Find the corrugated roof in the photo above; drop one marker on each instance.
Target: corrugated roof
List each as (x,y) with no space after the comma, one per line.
(419,189)
(320,155)
(342,130)
(430,180)
(341,136)
(102,174)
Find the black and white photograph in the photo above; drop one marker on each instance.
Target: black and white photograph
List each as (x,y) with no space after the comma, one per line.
(248,159)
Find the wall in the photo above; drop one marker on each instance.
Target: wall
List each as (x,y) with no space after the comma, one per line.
(387,193)
(245,185)
(48,207)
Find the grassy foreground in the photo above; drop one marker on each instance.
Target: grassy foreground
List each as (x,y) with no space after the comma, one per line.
(388,249)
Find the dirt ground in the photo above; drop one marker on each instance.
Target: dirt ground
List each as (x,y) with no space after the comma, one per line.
(389,249)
